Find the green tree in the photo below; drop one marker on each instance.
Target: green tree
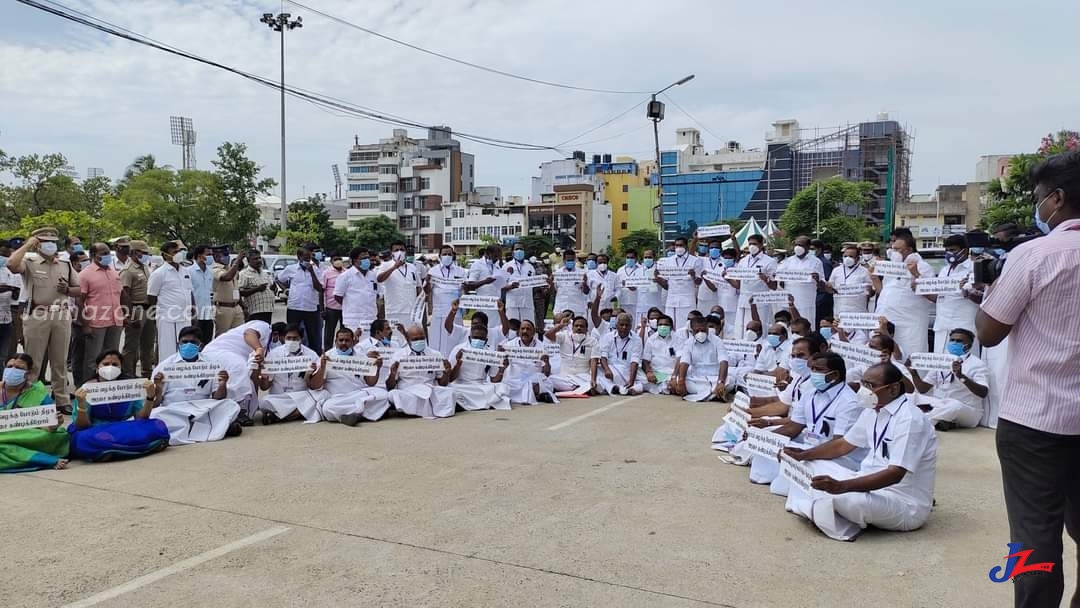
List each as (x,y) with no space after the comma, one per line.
(239,182)
(837,197)
(141,164)
(638,240)
(309,222)
(40,186)
(376,232)
(89,227)
(1011,196)
(536,245)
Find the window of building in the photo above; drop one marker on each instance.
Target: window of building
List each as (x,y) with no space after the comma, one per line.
(386,207)
(447,220)
(363,157)
(622,225)
(363,169)
(388,169)
(388,188)
(407,203)
(363,187)
(425,221)
(390,154)
(626,187)
(954,219)
(447,237)
(625,206)
(425,183)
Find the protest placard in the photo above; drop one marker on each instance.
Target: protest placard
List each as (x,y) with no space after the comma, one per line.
(286,365)
(420,363)
(356,366)
(794,276)
(858,320)
(740,347)
(445,282)
(891,269)
(742,274)
(524,353)
(639,281)
(739,418)
(190,372)
(760,382)
(677,273)
(709,231)
(937,286)
(477,302)
(715,275)
(853,290)
(116,391)
(932,362)
(771,297)
(742,400)
(796,472)
(419,308)
(483,356)
(536,280)
(856,355)
(386,353)
(28,417)
(569,277)
(765,443)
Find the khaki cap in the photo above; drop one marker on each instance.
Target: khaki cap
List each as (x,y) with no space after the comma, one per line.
(121,241)
(140,246)
(46,234)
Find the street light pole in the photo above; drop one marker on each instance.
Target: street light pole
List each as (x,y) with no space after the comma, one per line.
(655,113)
(281,23)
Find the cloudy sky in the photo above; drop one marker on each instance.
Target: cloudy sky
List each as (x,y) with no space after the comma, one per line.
(969,78)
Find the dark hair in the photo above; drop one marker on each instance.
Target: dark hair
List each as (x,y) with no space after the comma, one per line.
(568,252)
(694,313)
(801,322)
(190,330)
(730,251)
(396,243)
(481,316)
(482,328)
(809,344)
(887,342)
(101,356)
(698,320)
(817,243)
(199,250)
(629,251)
(892,373)
(907,238)
(1060,172)
(25,358)
(833,361)
(378,325)
(818,342)
(291,327)
(514,324)
(757,238)
(607,310)
(679,238)
(782,314)
(965,332)
(666,318)
(169,246)
(279,327)
(524,321)
(575,319)
(344,330)
(957,240)
(901,231)
(357,252)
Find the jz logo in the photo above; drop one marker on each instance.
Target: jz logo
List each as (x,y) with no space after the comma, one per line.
(1017,564)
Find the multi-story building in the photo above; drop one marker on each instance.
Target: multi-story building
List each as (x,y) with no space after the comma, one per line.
(408,180)
(932,217)
(569,205)
(483,217)
(618,177)
(642,205)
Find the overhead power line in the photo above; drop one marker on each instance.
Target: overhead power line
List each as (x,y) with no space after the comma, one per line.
(691,117)
(470,64)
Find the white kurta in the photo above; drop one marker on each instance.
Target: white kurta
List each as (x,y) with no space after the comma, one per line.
(856,275)
(473,388)
(681,291)
(662,355)
(443,294)
(703,359)
(187,409)
(954,311)
(350,396)
(480,270)
(805,293)
(908,311)
(418,393)
(289,392)
(764,264)
(522,376)
(568,296)
(359,293)
(621,353)
(951,400)
(575,352)
(519,302)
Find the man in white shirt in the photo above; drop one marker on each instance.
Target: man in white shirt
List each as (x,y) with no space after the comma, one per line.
(349,398)
(701,374)
(958,308)
(519,300)
(169,291)
(805,292)
(358,292)
(894,487)
(487,278)
(420,392)
(956,397)
(776,352)
(478,386)
(601,276)
(304,281)
(650,296)
(681,289)
(289,397)
(766,268)
(659,357)
(628,296)
(571,286)
(898,301)
(576,348)
(849,276)
(619,357)
(714,288)
(445,279)
(528,379)
(401,286)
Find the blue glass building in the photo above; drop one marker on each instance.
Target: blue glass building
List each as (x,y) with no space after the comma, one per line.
(698,199)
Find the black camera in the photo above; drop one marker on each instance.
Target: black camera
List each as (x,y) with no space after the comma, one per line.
(990,261)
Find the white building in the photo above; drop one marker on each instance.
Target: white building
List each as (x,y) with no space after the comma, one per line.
(570,206)
(484,216)
(694,159)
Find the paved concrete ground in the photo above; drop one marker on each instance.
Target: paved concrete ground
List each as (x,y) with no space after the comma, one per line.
(628,507)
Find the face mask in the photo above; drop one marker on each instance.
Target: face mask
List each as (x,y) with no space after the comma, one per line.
(3,261)
(519,254)
(601,267)
(895,256)
(799,367)
(478,343)
(819,380)
(700,337)
(446,260)
(410,259)
(348,352)
(754,249)
(398,255)
(189,351)
(649,262)
(663,331)
(144,260)
(1044,227)
(418,346)
(827,256)
(976,250)
(728,262)
(77,248)
(867,257)
(773,340)
(293,346)
(826,332)
(712,331)
(670,253)
(702,248)
(106,261)
(571,264)
(714,252)
(680,251)
(108,372)
(365,264)
(590,264)
(318,255)
(83,265)
(47,249)
(997,252)
(956,349)
(611,322)
(800,251)
(951,259)
(180,256)
(510,335)
(867,398)
(652,324)
(750,336)
(14,376)
(385,341)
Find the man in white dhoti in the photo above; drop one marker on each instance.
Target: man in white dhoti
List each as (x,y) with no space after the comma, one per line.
(956,309)
(349,397)
(701,374)
(289,396)
(519,300)
(487,278)
(420,392)
(682,286)
(956,397)
(445,280)
(894,487)
(766,268)
(195,410)
(619,357)
(898,301)
(660,356)
(576,348)
(850,283)
(478,386)
(401,286)
(454,333)
(570,294)
(241,350)
(528,379)
(805,292)
(357,290)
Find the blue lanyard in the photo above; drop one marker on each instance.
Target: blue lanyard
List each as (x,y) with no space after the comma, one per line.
(878,439)
(813,407)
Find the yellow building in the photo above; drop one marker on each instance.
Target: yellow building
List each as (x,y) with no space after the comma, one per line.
(619,177)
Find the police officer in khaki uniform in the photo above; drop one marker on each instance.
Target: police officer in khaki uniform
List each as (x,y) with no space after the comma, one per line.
(49,282)
(229,311)
(140,330)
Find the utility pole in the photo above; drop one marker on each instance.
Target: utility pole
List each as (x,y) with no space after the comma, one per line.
(282,23)
(817,225)
(655,113)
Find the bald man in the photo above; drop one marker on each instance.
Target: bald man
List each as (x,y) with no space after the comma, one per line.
(422,391)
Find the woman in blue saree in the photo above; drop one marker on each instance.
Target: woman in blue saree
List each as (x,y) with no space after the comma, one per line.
(114,431)
(34,448)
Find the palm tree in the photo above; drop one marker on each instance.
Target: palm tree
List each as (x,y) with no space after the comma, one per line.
(140,165)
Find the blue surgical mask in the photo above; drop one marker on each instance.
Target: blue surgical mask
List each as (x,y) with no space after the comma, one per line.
(714,252)
(670,253)
(14,376)
(998,252)
(591,264)
(773,340)
(649,262)
(571,265)
(144,260)
(365,264)
(189,351)
(728,262)
(611,322)
(385,341)
(631,262)
(955,348)
(318,255)
(106,260)
(345,353)
(1044,227)
(3,261)
(77,248)
(819,381)
(799,367)
(702,248)
(478,343)
(826,332)
(418,346)
(519,254)
(976,250)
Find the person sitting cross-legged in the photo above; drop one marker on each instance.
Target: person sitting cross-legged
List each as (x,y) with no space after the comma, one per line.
(34,448)
(349,398)
(701,374)
(956,398)
(619,357)
(478,386)
(528,381)
(660,356)
(420,392)
(289,397)
(576,349)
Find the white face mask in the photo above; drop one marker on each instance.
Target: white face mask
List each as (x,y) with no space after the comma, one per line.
(751,336)
(601,267)
(700,337)
(680,251)
(849,261)
(867,398)
(895,256)
(398,255)
(108,372)
(800,250)
(47,248)
(867,257)
(652,324)
(180,256)
(292,345)
(754,249)
(447,260)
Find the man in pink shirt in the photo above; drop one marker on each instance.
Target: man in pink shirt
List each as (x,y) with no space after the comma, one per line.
(1038,434)
(331,307)
(99,307)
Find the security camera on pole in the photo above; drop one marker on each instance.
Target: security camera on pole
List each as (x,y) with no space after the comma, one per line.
(655,113)
(282,23)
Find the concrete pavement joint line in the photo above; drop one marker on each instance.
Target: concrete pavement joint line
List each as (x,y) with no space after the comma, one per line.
(599,410)
(176,568)
(376,540)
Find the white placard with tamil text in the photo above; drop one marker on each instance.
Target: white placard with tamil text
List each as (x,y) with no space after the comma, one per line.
(718,230)
(798,473)
(760,382)
(116,391)
(856,354)
(858,320)
(771,297)
(937,286)
(286,365)
(446,282)
(536,280)
(421,363)
(357,366)
(740,347)
(853,290)
(524,353)
(28,418)
(482,356)
(569,277)
(932,362)
(891,269)
(742,400)
(386,352)
(738,417)
(742,274)
(189,372)
(676,273)
(765,443)
(478,302)
(794,276)
(638,281)
(715,275)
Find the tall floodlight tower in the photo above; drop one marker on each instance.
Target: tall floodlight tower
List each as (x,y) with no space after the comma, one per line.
(183,135)
(337,181)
